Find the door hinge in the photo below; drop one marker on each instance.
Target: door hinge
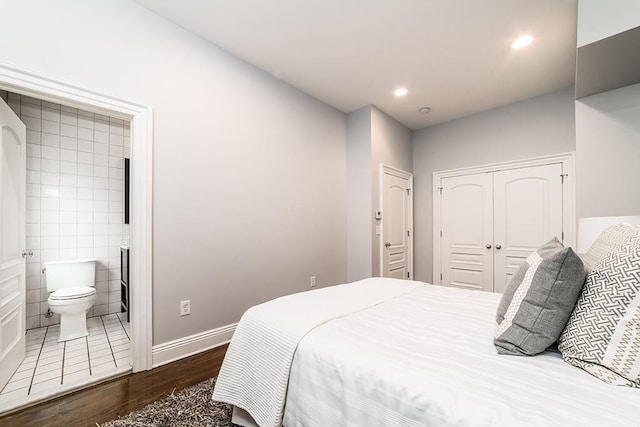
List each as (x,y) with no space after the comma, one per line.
(440,233)
(440,189)
(563,237)
(563,176)
(440,276)
(408,275)
(408,191)
(407,233)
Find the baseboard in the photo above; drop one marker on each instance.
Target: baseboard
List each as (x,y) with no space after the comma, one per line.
(183,347)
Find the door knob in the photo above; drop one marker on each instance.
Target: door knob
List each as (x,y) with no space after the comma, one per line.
(387,244)
(498,247)
(488,246)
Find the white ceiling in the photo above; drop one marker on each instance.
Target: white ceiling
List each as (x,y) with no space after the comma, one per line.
(452,55)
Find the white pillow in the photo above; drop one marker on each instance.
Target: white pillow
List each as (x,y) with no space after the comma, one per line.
(603,331)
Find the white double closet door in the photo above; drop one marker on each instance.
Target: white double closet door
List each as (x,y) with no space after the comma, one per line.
(490,223)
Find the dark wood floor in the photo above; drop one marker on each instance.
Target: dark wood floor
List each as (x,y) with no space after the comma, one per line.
(105,402)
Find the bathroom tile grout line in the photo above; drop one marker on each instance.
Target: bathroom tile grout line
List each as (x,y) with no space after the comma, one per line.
(123,328)
(86,341)
(33,374)
(64,352)
(109,341)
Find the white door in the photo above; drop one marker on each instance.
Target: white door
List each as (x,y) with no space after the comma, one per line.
(467,231)
(12,265)
(527,213)
(492,221)
(397,224)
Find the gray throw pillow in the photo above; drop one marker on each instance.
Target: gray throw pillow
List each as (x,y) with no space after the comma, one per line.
(538,301)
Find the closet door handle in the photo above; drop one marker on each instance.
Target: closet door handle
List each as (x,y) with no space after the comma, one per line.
(498,247)
(488,246)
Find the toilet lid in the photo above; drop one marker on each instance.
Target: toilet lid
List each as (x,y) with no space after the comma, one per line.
(72,293)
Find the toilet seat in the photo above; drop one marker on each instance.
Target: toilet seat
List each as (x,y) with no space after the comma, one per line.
(72,293)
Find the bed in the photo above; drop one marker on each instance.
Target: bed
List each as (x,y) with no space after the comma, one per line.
(386,352)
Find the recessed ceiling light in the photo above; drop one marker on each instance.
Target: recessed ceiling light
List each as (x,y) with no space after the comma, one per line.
(400,91)
(424,110)
(521,42)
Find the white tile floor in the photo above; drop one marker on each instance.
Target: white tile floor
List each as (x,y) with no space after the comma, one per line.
(49,365)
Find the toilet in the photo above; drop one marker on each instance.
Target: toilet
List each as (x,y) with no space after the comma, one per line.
(73,292)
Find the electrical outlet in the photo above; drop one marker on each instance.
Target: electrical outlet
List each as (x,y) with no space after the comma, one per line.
(313,281)
(185,307)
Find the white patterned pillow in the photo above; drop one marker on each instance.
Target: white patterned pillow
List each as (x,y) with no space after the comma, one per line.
(603,334)
(610,240)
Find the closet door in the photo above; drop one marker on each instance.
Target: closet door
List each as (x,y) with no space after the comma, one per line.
(467,231)
(527,213)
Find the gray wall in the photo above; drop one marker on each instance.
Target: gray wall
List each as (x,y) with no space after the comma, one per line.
(608,153)
(535,127)
(359,194)
(249,173)
(598,19)
(373,137)
(608,124)
(391,145)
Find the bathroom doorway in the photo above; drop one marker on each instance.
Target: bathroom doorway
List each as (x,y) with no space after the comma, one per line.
(76,144)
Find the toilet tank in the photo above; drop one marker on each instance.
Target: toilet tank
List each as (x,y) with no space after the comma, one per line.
(68,274)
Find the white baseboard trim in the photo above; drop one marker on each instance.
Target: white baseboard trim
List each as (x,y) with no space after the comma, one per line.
(188,346)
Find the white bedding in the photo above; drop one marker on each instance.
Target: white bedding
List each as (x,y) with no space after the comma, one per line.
(255,370)
(426,358)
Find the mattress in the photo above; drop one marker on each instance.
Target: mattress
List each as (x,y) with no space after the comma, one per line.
(426,358)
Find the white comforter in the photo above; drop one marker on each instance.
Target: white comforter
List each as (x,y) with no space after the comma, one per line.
(255,370)
(426,358)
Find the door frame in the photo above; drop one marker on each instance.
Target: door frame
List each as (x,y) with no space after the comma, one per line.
(568,197)
(409,177)
(27,82)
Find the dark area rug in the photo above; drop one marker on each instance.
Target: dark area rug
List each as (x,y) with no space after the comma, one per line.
(192,406)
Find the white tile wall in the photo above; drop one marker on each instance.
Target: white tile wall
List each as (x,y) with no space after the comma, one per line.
(75,192)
